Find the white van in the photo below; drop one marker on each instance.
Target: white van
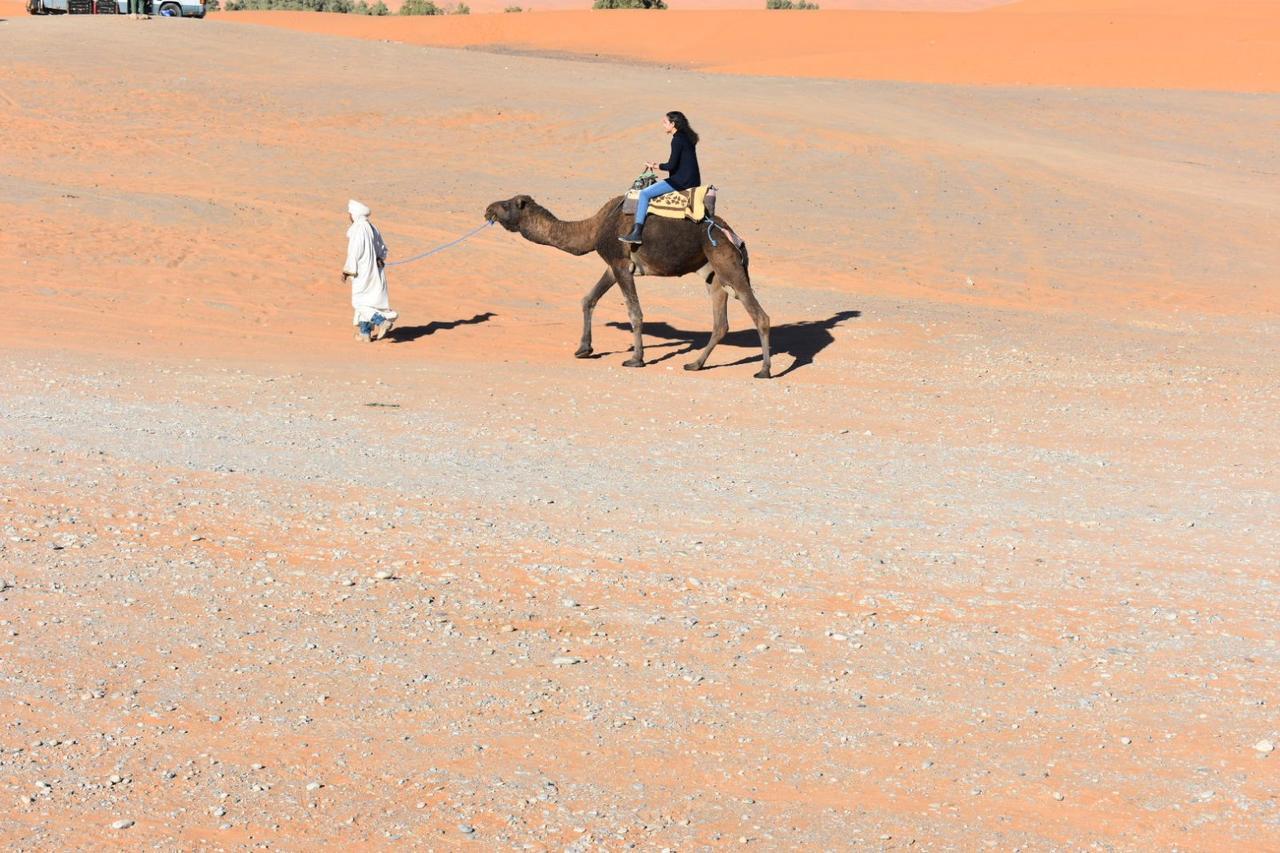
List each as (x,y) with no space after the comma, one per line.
(159,8)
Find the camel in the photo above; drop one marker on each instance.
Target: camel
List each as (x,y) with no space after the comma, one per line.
(672,247)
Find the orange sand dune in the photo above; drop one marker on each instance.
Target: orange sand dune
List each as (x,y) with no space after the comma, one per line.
(1180,44)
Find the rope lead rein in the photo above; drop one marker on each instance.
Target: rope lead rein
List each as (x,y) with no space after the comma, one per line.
(431,252)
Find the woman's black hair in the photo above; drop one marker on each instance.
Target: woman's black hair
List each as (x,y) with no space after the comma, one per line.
(682,125)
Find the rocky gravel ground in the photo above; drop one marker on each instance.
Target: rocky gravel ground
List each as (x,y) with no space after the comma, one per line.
(293,608)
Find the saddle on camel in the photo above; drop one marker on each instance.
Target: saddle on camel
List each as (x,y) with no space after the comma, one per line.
(696,203)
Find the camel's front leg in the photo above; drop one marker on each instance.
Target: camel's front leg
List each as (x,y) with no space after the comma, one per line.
(628,285)
(719,320)
(588,307)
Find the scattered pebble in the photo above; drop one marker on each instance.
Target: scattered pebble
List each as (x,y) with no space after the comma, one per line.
(122,824)
(1264,746)
(384,575)
(565,661)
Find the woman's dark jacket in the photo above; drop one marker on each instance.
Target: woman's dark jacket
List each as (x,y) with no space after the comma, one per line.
(683,164)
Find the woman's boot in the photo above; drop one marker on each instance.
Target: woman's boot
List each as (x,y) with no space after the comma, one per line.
(634,237)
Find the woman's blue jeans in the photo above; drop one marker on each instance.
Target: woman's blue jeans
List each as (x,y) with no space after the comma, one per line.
(647,195)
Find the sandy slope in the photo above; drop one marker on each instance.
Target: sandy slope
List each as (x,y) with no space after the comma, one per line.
(1183,44)
(992,562)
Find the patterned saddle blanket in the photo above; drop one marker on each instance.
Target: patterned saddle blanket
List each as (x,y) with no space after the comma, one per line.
(697,203)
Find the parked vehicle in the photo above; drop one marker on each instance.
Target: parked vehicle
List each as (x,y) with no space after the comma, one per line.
(158,8)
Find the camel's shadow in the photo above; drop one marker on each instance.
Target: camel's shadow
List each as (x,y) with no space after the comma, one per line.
(404,334)
(802,341)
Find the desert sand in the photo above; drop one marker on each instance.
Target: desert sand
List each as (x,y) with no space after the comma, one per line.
(1125,43)
(990,563)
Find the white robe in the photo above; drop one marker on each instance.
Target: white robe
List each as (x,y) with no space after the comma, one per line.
(368,280)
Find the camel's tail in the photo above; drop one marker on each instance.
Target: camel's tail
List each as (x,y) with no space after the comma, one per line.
(741,246)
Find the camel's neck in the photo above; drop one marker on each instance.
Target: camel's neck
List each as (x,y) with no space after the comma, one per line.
(540,225)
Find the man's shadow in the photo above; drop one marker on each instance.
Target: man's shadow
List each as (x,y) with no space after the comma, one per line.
(802,341)
(404,334)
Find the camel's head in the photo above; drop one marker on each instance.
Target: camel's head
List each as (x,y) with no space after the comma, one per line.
(509,213)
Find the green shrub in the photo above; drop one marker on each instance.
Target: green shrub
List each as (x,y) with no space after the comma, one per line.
(629,4)
(513,9)
(420,7)
(461,9)
(292,5)
(789,4)
(344,7)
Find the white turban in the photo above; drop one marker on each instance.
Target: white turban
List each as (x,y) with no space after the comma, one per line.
(357,209)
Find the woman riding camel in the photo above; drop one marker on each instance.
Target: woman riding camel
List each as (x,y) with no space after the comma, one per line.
(683,169)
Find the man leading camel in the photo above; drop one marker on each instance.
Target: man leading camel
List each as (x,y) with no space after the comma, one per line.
(683,166)
(366,267)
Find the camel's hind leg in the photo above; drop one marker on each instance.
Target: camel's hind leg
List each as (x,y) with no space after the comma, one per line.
(588,307)
(735,277)
(761,319)
(719,319)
